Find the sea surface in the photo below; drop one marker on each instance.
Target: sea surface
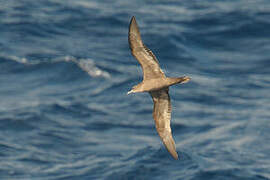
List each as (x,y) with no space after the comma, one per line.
(65,69)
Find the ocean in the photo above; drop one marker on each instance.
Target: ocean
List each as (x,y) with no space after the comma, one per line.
(66,66)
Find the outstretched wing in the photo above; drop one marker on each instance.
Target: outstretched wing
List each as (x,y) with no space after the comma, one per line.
(162,116)
(146,58)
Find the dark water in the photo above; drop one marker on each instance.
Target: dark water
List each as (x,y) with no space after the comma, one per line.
(66,68)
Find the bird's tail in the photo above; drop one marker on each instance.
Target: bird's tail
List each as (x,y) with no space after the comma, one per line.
(177,80)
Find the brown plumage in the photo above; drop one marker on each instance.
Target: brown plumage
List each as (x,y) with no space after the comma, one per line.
(156,83)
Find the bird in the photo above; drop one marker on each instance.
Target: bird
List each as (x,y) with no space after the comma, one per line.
(156,84)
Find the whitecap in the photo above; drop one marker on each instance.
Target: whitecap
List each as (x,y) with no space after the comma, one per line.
(88,66)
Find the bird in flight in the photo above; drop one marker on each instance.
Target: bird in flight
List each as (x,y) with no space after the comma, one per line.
(156,83)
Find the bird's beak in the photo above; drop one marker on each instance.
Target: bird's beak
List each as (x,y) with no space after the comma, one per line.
(129,92)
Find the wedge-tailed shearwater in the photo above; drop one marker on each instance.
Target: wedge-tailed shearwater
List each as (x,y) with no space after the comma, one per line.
(156,83)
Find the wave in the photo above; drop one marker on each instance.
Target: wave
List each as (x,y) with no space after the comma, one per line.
(88,65)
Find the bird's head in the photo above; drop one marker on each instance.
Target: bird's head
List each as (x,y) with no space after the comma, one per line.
(131,91)
(134,89)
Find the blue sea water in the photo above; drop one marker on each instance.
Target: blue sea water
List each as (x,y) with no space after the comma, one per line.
(65,69)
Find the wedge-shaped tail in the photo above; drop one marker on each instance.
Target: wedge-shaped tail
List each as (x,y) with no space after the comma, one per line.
(177,80)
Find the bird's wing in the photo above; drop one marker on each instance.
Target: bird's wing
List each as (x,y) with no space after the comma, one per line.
(146,58)
(162,116)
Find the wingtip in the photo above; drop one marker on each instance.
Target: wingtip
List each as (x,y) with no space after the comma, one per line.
(175,155)
(169,143)
(133,21)
(134,36)
(170,146)
(133,18)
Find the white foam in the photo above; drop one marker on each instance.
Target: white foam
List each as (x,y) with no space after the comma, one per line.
(15,58)
(88,66)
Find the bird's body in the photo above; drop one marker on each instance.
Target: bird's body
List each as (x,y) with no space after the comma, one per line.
(156,83)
